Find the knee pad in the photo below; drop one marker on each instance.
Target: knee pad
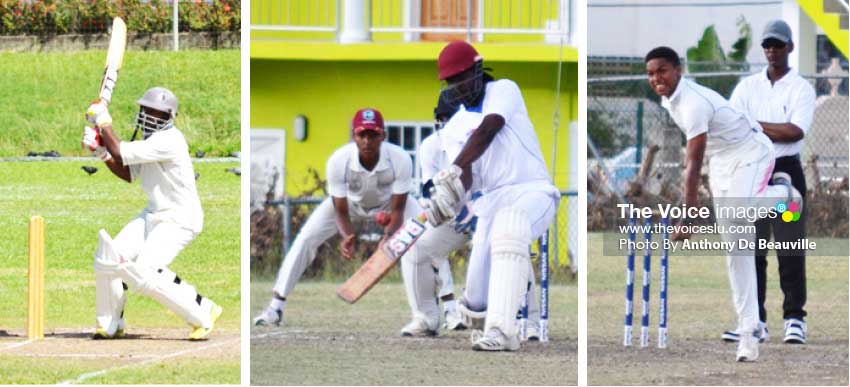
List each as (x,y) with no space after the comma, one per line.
(511,233)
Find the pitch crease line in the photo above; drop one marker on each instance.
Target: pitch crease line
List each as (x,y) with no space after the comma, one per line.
(156,359)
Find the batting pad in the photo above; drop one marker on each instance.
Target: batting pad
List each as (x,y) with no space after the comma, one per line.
(160,284)
(509,270)
(110,296)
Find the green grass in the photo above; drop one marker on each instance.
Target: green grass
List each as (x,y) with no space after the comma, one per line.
(75,206)
(45,96)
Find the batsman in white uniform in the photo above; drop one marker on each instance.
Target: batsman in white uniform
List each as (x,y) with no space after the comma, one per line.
(741,166)
(433,247)
(365,177)
(139,256)
(498,155)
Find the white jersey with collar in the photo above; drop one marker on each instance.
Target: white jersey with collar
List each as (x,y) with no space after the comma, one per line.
(369,190)
(697,109)
(514,157)
(163,165)
(791,99)
(432,158)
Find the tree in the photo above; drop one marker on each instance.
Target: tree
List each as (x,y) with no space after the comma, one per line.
(708,56)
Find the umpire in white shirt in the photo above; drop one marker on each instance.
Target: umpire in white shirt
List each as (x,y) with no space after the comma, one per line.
(783,103)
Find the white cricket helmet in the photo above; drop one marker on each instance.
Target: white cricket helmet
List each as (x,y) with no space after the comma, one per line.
(159,99)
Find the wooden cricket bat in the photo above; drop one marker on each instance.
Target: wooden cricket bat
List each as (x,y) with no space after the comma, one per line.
(383,260)
(114,59)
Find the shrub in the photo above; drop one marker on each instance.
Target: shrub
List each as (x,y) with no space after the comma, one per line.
(57,17)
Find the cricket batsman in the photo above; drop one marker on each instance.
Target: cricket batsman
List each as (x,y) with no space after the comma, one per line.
(499,156)
(742,160)
(139,256)
(436,244)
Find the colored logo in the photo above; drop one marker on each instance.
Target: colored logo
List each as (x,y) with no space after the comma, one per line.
(789,212)
(368,115)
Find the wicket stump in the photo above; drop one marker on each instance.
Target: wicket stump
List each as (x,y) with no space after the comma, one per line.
(35,293)
(647,277)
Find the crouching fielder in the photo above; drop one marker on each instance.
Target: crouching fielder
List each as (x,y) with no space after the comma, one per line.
(501,157)
(139,256)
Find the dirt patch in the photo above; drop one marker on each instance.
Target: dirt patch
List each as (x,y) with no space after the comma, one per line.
(711,362)
(139,344)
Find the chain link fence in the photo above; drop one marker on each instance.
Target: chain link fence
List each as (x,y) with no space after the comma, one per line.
(635,148)
(275,224)
(151,24)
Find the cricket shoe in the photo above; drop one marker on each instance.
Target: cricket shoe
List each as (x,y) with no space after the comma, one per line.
(418,327)
(201,333)
(748,347)
(103,334)
(494,340)
(454,321)
(795,331)
(472,319)
(269,317)
(782,178)
(734,337)
(532,333)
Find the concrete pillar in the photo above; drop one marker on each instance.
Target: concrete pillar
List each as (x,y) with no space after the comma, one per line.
(356,21)
(804,32)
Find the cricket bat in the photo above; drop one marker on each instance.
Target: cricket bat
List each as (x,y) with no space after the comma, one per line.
(383,260)
(114,59)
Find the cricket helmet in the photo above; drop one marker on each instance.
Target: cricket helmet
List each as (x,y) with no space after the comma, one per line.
(456,58)
(161,100)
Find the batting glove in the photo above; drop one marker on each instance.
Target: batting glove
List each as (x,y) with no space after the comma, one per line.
(92,142)
(465,221)
(98,114)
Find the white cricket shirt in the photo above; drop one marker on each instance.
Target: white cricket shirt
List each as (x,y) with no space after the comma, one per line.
(514,156)
(369,190)
(432,158)
(790,99)
(697,109)
(163,165)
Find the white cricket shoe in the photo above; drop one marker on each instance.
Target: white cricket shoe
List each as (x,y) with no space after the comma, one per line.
(532,333)
(418,327)
(494,340)
(269,316)
(748,348)
(795,331)
(454,321)
(734,337)
(782,178)
(103,334)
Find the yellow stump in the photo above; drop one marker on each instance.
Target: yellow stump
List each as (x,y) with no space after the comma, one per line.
(35,294)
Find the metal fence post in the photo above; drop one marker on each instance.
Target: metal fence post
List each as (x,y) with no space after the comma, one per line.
(639,135)
(175,25)
(287,227)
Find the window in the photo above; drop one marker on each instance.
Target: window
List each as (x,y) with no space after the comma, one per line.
(408,135)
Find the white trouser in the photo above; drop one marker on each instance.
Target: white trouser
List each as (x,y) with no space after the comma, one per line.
(321,226)
(739,177)
(431,251)
(539,203)
(148,244)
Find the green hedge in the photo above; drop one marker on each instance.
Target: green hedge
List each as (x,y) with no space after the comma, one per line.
(57,17)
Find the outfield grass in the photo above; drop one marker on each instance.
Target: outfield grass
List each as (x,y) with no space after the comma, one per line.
(45,95)
(74,206)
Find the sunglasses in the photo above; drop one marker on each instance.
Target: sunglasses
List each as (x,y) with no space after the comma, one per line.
(773,43)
